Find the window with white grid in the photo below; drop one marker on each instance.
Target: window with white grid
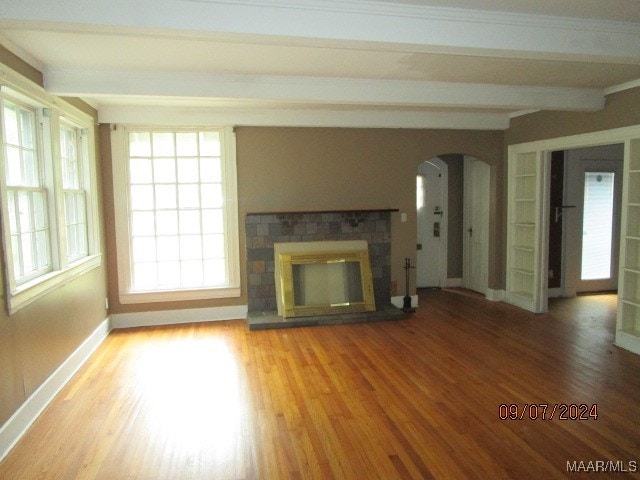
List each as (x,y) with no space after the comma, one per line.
(25,192)
(48,206)
(178,238)
(75,203)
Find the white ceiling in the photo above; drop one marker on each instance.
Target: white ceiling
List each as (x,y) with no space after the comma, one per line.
(409,63)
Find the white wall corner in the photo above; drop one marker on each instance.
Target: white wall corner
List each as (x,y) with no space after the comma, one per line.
(398,301)
(14,428)
(174,317)
(453,283)
(495,295)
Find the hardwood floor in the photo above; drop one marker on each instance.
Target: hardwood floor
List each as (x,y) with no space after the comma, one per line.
(417,398)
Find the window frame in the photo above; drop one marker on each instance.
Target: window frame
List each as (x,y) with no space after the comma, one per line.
(120,169)
(16,89)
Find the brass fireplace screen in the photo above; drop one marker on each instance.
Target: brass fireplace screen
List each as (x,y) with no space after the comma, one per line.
(325,281)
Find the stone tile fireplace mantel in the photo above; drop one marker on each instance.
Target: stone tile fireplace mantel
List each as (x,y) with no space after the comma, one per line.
(263,229)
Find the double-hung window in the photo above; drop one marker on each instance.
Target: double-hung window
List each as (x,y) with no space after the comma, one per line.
(176,213)
(47,195)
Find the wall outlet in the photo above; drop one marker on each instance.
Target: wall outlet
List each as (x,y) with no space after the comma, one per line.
(106,303)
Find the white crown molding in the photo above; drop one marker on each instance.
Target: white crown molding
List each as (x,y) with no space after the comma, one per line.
(321,91)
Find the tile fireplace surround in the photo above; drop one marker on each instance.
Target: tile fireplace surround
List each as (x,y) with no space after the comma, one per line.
(265,229)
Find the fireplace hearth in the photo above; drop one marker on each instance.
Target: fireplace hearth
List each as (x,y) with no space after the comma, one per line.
(264,230)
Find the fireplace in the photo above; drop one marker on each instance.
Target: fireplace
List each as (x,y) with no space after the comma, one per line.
(264,230)
(323,278)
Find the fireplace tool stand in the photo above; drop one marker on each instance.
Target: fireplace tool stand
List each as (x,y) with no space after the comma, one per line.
(406,304)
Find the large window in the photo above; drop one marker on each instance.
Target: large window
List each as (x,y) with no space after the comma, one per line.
(49,219)
(177,229)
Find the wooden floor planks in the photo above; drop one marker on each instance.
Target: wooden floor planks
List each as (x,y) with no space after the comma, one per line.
(416,398)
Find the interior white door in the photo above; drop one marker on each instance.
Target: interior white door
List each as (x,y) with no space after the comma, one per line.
(431,247)
(476,223)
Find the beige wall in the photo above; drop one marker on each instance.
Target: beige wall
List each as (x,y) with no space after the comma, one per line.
(38,338)
(315,169)
(621,110)
(282,169)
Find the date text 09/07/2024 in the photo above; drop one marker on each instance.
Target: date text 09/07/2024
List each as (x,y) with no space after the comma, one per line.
(548,411)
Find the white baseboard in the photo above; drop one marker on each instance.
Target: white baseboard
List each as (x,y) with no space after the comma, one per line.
(495,295)
(628,341)
(172,317)
(29,411)
(399,301)
(453,283)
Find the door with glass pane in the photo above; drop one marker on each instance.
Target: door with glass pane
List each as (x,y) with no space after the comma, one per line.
(600,226)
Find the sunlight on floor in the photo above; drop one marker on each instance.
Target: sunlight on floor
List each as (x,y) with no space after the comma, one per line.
(190,395)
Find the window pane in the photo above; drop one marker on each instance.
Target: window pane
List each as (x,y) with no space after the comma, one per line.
(142,223)
(24,211)
(14,167)
(189,222)
(167,222)
(210,144)
(141,197)
(188,196)
(188,170)
(597,230)
(42,247)
(164,170)
(11,134)
(166,196)
(144,249)
(39,210)
(187,144)
(30,177)
(27,125)
(190,247)
(211,195)
(144,275)
(168,248)
(27,242)
(140,170)
(210,170)
(215,272)
(15,250)
(163,145)
(191,272)
(140,144)
(212,221)
(213,246)
(168,274)
(13,220)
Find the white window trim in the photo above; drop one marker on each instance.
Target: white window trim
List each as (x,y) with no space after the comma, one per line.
(119,153)
(19,296)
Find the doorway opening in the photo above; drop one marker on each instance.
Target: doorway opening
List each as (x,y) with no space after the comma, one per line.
(452,201)
(584,220)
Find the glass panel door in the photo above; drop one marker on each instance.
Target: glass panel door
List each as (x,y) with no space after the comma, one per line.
(597,226)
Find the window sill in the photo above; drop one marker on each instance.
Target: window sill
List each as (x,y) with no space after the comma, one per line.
(178,295)
(31,291)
